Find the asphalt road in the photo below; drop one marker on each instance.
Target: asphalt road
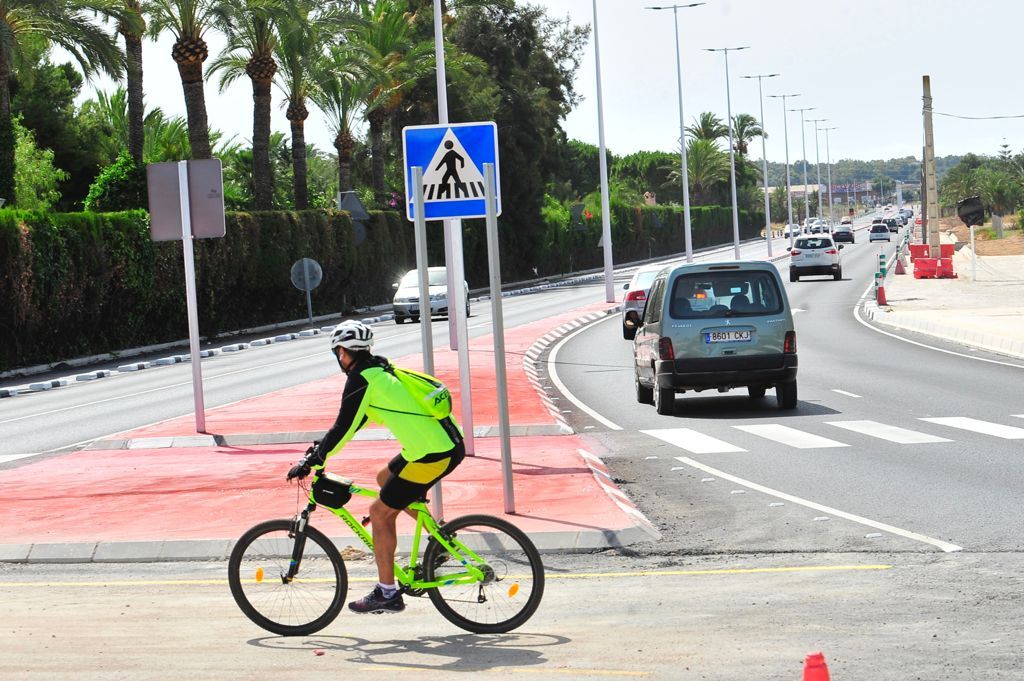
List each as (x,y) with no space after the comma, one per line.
(860,441)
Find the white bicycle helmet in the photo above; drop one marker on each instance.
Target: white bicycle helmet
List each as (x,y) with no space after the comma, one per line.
(352,335)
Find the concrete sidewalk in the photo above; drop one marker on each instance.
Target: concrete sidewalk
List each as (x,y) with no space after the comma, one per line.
(163,492)
(986,313)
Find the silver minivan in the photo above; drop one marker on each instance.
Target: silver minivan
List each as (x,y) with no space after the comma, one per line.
(715,326)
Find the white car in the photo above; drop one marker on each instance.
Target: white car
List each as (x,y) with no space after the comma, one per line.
(792,230)
(815,255)
(636,298)
(406,304)
(879,232)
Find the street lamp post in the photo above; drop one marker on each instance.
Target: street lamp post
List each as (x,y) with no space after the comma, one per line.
(803,144)
(828,164)
(606,224)
(687,229)
(764,163)
(789,187)
(817,160)
(732,152)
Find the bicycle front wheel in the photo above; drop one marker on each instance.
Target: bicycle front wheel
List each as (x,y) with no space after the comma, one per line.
(513,581)
(258,575)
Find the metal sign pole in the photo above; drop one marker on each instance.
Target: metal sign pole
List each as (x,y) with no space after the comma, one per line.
(494,264)
(190,297)
(309,299)
(421,270)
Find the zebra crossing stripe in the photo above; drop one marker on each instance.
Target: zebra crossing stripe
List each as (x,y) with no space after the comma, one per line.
(692,441)
(882,431)
(979,426)
(790,436)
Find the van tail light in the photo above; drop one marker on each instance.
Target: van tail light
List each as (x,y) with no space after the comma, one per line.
(831,251)
(794,252)
(636,296)
(665,350)
(789,346)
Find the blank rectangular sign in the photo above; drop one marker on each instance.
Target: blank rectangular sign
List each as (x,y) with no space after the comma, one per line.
(206,199)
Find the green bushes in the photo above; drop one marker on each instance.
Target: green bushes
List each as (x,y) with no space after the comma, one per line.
(74,284)
(119,186)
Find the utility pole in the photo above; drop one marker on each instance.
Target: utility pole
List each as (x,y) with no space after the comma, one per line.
(817,161)
(931,185)
(803,143)
(789,185)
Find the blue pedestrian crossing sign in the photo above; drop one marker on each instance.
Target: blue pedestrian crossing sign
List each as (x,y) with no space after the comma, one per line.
(452,157)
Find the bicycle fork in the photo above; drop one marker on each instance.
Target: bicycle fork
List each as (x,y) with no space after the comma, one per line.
(299,534)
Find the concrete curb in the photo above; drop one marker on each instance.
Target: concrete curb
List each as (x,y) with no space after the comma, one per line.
(1000,345)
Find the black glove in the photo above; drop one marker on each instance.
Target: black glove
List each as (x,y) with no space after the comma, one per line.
(308,462)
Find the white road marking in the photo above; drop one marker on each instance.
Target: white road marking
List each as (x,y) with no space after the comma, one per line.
(790,436)
(979,426)
(901,436)
(692,441)
(553,373)
(945,546)
(843,392)
(5,458)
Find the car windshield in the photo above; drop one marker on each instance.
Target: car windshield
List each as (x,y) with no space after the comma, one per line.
(643,280)
(434,278)
(735,293)
(813,243)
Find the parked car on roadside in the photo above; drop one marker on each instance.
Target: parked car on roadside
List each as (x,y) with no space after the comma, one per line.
(406,304)
(636,298)
(815,255)
(744,339)
(879,232)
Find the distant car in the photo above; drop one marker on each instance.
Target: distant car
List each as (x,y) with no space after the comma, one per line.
(817,226)
(792,229)
(878,221)
(843,232)
(846,220)
(406,304)
(815,255)
(879,232)
(636,298)
(893,224)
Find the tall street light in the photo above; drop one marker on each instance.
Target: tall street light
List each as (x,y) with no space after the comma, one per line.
(764,163)
(828,163)
(687,232)
(817,160)
(789,186)
(606,224)
(732,152)
(803,143)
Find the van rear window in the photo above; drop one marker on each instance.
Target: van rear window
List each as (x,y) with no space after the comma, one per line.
(735,293)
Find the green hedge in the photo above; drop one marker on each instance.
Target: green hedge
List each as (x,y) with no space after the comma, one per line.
(74,284)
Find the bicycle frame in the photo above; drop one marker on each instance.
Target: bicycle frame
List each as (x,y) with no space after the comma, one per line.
(406,576)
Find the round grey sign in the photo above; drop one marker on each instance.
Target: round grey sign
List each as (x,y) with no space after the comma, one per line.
(306,274)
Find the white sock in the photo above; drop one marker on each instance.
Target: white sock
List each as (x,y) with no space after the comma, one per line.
(388,590)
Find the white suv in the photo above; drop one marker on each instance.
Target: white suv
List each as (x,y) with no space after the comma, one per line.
(815,255)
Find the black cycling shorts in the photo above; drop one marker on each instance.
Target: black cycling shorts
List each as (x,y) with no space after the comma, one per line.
(410,480)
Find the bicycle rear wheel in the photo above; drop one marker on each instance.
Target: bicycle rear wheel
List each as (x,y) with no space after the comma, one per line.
(257,573)
(513,581)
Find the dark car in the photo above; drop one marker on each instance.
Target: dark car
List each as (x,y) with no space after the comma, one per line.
(893,224)
(843,232)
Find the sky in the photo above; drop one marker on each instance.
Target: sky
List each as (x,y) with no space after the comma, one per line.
(860,64)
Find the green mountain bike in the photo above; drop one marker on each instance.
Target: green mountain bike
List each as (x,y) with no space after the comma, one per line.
(482,573)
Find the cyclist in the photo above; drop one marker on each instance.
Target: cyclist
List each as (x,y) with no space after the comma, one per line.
(431,449)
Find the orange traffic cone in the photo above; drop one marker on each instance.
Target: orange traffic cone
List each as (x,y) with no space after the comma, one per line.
(880,296)
(815,668)
(899,266)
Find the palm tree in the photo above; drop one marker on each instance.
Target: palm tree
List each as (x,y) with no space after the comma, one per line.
(251,29)
(707,167)
(132,28)
(340,95)
(65,23)
(304,32)
(397,59)
(707,126)
(188,21)
(744,129)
